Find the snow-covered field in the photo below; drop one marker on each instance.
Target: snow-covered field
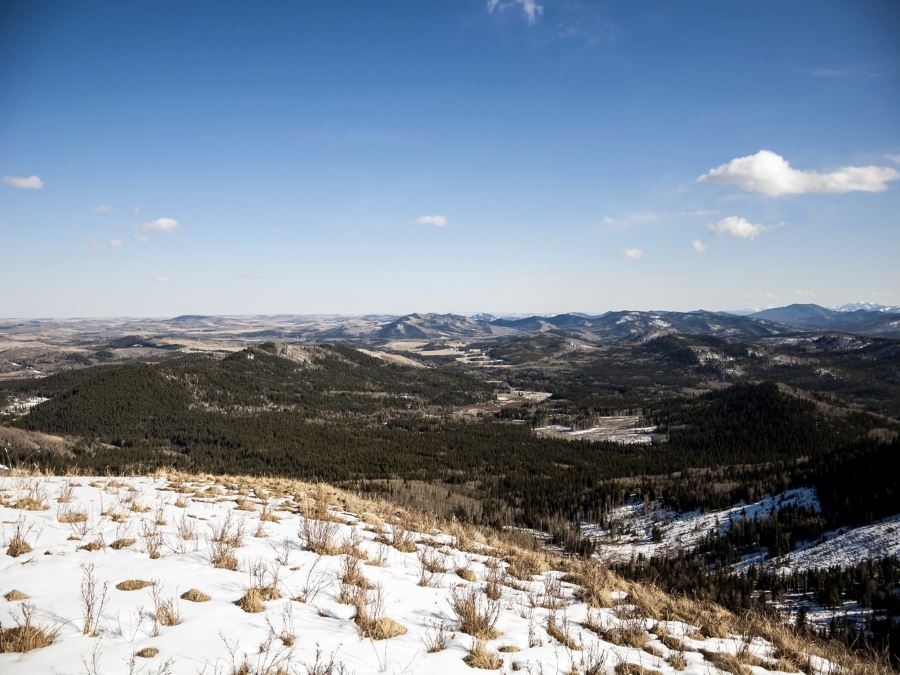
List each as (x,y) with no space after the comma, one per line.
(286,608)
(631,526)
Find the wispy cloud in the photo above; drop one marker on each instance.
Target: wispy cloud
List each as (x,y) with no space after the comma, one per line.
(633,253)
(103,208)
(159,225)
(894,158)
(531,9)
(698,246)
(735,226)
(646,217)
(116,243)
(141,238)
(164,280)
(436,221)
(771,174)
(24,182)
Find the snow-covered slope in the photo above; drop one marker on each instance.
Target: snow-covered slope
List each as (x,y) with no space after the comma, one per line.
(847,547)
(302,583)
(631,526)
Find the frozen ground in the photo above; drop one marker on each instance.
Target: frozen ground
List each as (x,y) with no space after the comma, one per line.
(107,531)
(631,526)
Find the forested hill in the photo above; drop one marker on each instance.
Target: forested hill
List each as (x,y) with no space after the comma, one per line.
(139,401)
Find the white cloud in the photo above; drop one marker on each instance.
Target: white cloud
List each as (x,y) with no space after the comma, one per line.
(633,253)
(116,243)
(894,158)
(159,225)
(530,8)
(103,208)
(804,294)
(735,226)
(436,221)
(141,238)
(771,174)
(24,182)
(164,280)
(698,246)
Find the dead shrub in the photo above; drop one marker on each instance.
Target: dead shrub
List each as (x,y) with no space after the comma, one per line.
(165,610)
(319,536)
(147,652)
(93,600)
(122,543)
(71,516)
(35,499)
(18,543)
(477,614)
(15,595)
(437,636)
(370,619)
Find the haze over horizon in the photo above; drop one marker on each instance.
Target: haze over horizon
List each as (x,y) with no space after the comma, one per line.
(506,156)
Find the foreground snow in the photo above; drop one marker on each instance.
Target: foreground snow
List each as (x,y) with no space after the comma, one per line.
(307,626)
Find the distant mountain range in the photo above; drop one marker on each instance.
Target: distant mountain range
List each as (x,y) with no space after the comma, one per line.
(857,318)
(881,321)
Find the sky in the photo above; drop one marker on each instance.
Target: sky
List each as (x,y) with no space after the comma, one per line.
(510,156)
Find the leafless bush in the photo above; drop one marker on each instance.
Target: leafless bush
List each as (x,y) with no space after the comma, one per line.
(165,610)
(319,536)
(437,636)
(18,542)
(93,600)
(477,614)
(312,585)
(153,538)
(370,619)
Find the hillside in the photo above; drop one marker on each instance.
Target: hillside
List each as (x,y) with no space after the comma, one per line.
(185,574)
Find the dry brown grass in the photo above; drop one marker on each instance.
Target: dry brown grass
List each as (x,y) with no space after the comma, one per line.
(629,633)
(595,583)
(320,536)
(195,595)
(481,658)
(370,619)
(726,662)
(147,652)
(626,668)
(125,542)
(70,516)
(167,612)
(18,542)
(35,499)
(15,595)
(26,635)
(252,601)
(560,632)
(133,584)
(466,573)
(677,661)
(477,614)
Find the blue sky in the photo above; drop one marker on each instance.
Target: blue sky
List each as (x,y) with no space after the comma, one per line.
(161,158)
